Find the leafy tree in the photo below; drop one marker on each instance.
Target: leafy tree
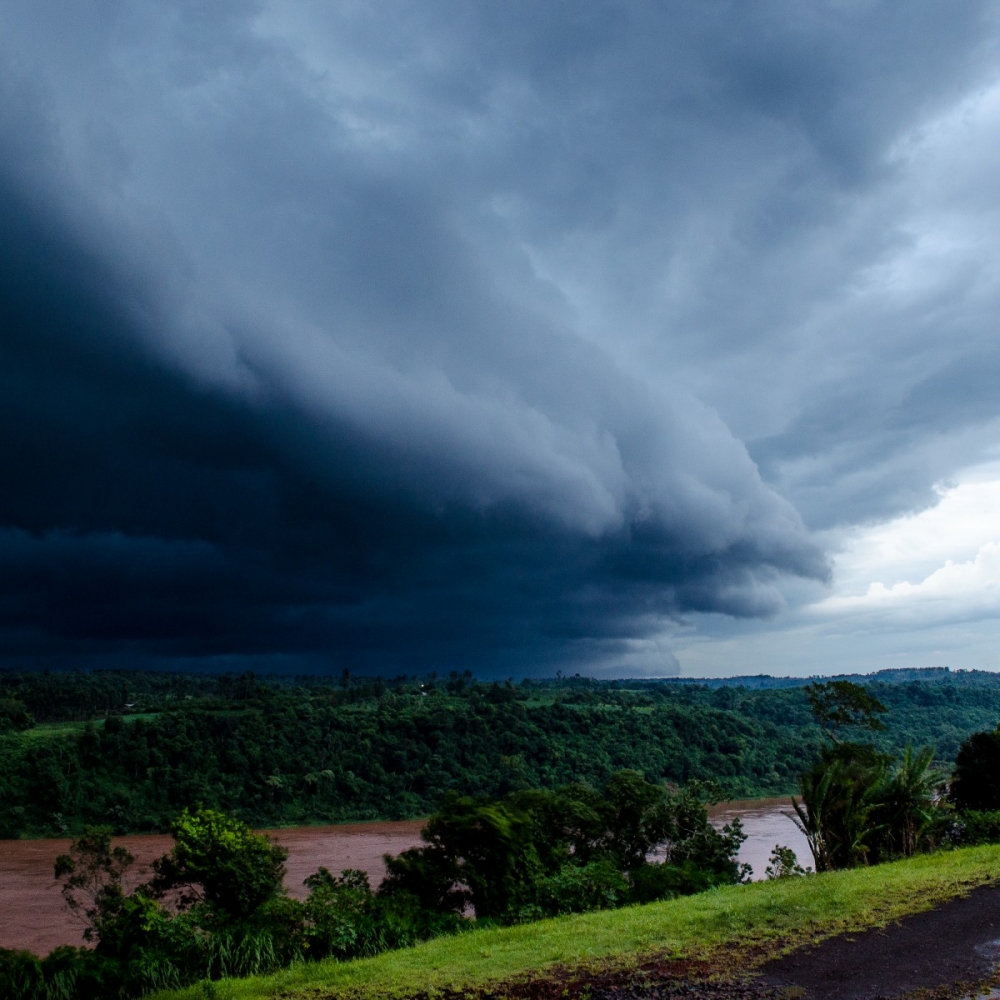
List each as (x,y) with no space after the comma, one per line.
(857,807)
(569,823)
(483,845)
(428,876)
(216,905)
(975,783)
(14,715)
(93,876)
(638,818)
(221,861)
(138,945)
(692,840)
(840,796)
(836,704)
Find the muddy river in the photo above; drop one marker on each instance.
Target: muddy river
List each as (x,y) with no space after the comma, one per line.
(32,914)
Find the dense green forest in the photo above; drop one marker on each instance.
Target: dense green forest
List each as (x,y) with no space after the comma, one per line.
(134,749)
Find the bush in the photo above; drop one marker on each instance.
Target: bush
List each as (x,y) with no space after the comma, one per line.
(598,885)
(652,882)
(21,976)
(345,919)
(783,863)
(977,827)
(342,918)
(65,974)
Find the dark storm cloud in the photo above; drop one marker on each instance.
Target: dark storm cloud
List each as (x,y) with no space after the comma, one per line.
(375,336)
(151,516)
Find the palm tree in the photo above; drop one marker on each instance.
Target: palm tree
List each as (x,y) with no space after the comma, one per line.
(908,802)
(840,795)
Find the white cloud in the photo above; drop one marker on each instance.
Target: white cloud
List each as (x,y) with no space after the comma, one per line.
(935,566)
(914,591)
(969,589)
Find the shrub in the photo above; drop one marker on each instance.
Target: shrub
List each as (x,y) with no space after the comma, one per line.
(783,863)
(21,976)
(598,885)
(65,974)
(652,882)
(342,918)
(976,826)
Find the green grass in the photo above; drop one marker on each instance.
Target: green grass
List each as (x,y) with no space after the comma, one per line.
(48,730)
(731,927)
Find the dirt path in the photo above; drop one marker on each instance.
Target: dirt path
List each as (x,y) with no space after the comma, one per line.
(956,943)
(949,953)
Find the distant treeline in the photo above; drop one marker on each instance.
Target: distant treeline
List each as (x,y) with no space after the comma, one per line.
(133,749)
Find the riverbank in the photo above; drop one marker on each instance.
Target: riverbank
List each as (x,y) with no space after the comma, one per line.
(32,915)
(732,932)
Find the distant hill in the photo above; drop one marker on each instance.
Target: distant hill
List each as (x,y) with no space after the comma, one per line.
(132,749)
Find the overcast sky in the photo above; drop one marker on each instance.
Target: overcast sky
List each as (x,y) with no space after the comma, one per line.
(613,337)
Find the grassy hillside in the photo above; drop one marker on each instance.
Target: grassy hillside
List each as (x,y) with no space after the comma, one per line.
(725,926)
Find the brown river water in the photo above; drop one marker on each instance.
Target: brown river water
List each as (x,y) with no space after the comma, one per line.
(32,914)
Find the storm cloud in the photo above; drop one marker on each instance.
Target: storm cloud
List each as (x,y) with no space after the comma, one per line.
(489,336)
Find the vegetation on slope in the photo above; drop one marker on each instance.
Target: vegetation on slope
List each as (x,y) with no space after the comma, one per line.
(133,750)
(734,926)
(217,907)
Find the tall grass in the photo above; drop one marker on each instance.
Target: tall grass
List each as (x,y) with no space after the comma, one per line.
(723,925)
(247,954)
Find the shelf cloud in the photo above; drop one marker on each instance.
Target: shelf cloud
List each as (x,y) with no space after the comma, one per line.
(495,336)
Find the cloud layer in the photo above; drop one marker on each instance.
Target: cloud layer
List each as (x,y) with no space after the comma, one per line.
(492,336)
(937,567)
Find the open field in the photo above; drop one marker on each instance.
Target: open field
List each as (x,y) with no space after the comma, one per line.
(733,928)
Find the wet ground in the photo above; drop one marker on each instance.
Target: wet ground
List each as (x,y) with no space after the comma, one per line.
(32,914)
(950,951)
